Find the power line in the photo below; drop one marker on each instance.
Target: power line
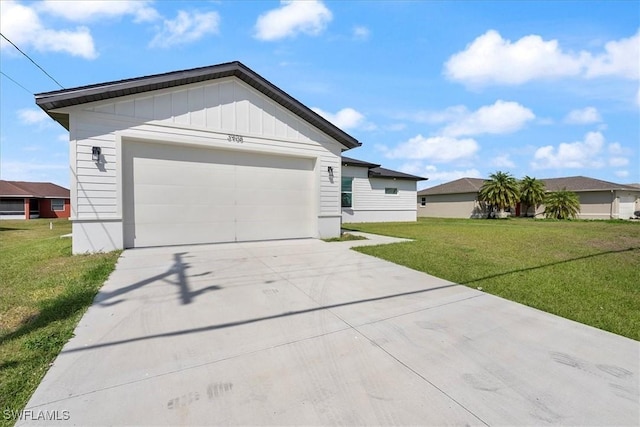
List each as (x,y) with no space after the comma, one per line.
(29,58)
(2,72)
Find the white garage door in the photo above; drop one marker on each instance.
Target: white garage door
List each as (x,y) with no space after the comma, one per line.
(185,195)
(626,205)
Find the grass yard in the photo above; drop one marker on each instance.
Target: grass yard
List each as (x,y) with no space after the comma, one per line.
(587,271)
(43,293)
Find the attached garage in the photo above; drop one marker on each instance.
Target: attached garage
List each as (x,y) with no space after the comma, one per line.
(208,155)
(186,195)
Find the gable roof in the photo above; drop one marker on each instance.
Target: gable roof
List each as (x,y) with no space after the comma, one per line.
(583,183)
(32,189)
(49,101)
(462,185)
(571,183)
(375,171)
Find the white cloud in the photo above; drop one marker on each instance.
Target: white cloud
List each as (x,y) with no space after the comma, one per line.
(617,162)
(449,114)
(31,116)
(435,175)
(579,154)
(347,118)
(291,18)
(616,148)
(500,118)
(361,33)
(437,149)
(621,58)
(503,161)
(63,137)
(22,25)
(622,173)
(185,28)
(584,116)
(86,11)
(491,59)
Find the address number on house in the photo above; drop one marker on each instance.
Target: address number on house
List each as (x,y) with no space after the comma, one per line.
(235,138)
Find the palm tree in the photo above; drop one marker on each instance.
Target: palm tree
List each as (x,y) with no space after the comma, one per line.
(532,193)
(562,204)
(500,190)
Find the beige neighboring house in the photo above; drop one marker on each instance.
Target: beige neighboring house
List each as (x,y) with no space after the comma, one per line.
(455,199)
(598,199)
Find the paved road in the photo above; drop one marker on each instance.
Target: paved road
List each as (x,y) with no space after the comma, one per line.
(308,332)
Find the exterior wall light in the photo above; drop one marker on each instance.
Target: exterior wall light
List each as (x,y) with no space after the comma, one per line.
(95,154)
(330,171)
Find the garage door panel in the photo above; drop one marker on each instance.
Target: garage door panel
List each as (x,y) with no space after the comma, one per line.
(270,230)
(184,195)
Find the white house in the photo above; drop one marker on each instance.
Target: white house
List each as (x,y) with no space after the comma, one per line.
(371,193)
(212,154)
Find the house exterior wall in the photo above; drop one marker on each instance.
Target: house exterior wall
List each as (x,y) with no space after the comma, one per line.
(463,205)
(207,114)
(371,204)
(46,211)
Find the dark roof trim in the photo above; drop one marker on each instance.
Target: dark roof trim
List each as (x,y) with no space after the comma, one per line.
(375,171)
(348,161)
(379,172)
(81,95)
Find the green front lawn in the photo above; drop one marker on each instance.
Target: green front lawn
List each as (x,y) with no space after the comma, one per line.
(43,293)
(588,271)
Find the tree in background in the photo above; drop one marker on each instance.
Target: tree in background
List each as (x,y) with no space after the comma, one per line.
(561,204)
(500,190)
(532,193)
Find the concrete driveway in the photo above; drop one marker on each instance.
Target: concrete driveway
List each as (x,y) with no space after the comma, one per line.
(311,333)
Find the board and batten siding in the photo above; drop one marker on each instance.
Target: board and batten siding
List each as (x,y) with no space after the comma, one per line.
(371,204)
(201,114)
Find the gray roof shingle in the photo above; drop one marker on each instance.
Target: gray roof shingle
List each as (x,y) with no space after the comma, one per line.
(32,189)
(462,185)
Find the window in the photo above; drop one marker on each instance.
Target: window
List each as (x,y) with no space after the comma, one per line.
(11,206)
(423,201)
(57,204)
(347,192)
(390,190)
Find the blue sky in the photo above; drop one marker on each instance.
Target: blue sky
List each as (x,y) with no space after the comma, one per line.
(438,89)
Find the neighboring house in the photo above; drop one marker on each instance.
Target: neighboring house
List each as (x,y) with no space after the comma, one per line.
(212,154)
(455,199)
(26,200)
(598,199)
(371,193)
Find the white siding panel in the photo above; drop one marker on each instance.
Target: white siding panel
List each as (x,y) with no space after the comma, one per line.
(162,107)
(180,107)
(144,108)
(241,97)
(108,109)
(125,108)
(196,106)
(227,107)
(212,105)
